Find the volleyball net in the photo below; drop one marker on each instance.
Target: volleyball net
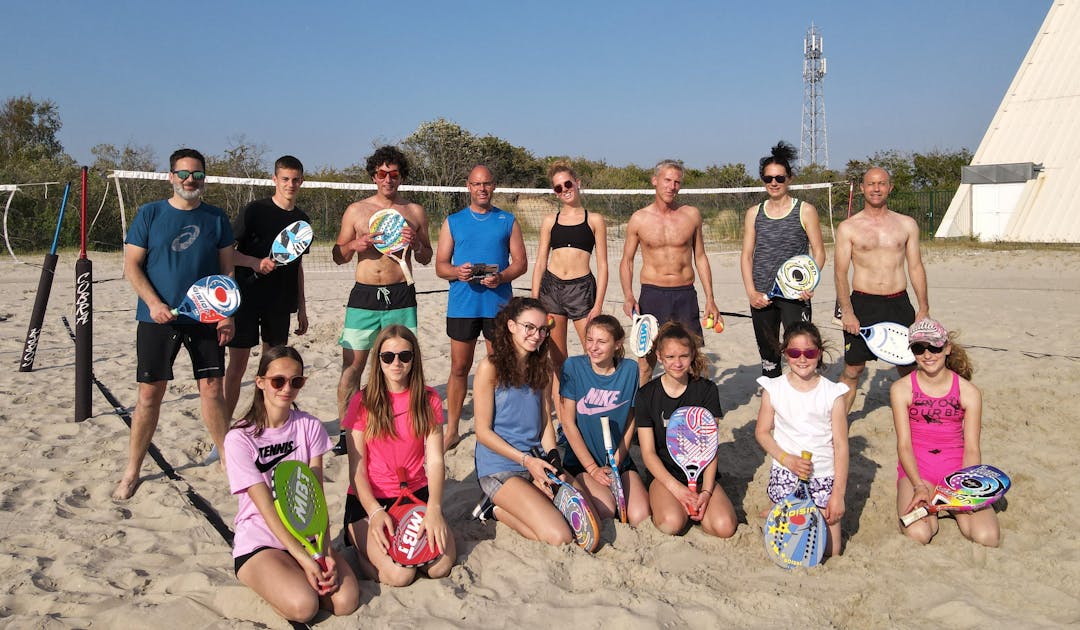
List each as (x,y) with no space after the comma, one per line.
(115,197)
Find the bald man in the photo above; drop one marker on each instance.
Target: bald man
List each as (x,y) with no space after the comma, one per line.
(882,248)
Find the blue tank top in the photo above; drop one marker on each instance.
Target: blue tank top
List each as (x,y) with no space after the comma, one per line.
(517,420)
(479,238)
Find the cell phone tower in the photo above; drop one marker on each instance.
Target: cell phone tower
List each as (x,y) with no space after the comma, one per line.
(814,146)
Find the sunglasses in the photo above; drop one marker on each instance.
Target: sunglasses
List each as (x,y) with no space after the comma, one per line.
(919,348)
(387,174)
(278,382)
(406,356)
(809,353)
(531,329)
(768,179)
(184,174)
(569,185)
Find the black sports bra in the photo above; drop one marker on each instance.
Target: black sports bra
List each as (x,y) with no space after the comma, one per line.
(578,236)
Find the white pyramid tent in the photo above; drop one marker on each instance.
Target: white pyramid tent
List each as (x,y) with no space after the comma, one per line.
(1025,175)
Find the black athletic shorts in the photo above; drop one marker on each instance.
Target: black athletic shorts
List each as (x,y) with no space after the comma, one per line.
(873,309)
(239,561)
(672,304)
(274,328)
(469,328)
(569,298)
(156,346)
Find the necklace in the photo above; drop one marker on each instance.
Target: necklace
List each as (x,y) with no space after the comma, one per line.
(482,216)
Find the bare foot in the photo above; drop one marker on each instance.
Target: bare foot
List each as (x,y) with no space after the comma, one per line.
(125,489)
(450,440)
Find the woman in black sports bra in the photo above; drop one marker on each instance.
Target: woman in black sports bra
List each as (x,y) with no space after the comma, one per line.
(562,279)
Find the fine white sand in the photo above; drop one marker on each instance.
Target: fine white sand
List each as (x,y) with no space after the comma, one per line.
(74,558)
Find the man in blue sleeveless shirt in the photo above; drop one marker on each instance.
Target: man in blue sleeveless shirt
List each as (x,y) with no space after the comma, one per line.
(481,251)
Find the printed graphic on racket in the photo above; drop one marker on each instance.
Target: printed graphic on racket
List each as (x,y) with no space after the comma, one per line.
(642,334)
(386,226)
(692,441)
(795,531)
(301,505)
(409,546)
(210,299)
(966,490)
(889,342)
(795,275)
(616,486)
(571,503)
(291,242)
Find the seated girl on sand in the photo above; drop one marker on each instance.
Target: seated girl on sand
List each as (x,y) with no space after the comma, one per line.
(937,413)
(804,411)
(266,557)
(394,422)
(682,384)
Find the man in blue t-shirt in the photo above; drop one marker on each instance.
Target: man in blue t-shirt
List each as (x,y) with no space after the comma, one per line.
(171,244)
(481,251)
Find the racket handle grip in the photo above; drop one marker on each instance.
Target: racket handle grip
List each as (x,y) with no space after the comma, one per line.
(805,455)
(321,559)
(913,516)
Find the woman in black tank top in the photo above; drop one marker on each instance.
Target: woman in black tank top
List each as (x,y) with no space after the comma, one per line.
(562,279)
(777,229)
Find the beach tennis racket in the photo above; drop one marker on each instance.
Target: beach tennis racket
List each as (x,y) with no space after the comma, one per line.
(386,226)
(889,342)
(795,275)
(642,333)
(409,547)
(291,242)
(570,502)
(210,299)
(301,505)
(616,479)
(795,531)
(966,490)
(692,441)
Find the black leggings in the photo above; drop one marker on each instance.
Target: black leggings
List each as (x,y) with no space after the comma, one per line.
(767,329)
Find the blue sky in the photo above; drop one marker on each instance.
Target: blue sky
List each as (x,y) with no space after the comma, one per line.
(627,82)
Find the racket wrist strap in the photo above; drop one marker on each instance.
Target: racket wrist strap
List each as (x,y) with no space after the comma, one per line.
(376,511)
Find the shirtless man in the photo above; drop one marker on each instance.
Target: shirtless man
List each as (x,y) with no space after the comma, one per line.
(670,238)
(877,243)
(380,296)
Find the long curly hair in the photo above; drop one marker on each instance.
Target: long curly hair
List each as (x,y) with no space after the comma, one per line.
(255,416)
(376,397)
(535,370)
(676,331)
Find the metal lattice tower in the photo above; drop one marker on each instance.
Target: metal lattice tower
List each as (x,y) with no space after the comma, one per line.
(814,146)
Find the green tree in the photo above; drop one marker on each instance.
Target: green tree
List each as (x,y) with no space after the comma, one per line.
(514,166)
(28,129)
(939,170)
(441,153)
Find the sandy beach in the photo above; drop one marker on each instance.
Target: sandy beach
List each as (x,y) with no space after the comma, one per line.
(73,558)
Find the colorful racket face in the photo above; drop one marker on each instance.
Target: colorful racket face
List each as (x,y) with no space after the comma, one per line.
(409,546)
(616,486)
(966,490)
(796,274)
(795,531)
(388,224)
(299,500)
(210,299)
(578,515)
(889,342)
(642,334)
(692,441)
(291,242)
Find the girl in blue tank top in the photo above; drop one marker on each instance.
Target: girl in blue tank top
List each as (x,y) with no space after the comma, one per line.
(511,413)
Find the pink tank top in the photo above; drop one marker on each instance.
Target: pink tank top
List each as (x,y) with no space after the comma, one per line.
(937,431)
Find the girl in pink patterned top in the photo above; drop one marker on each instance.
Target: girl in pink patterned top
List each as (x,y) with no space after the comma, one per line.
(937,413)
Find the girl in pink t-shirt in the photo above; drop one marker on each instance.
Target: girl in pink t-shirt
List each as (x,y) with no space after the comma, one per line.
(394,422)
(266,557)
